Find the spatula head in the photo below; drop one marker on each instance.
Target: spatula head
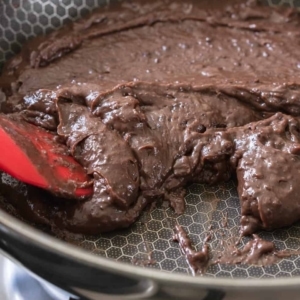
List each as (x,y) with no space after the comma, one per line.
(34,156)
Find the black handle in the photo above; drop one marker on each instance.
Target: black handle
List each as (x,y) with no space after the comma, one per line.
(214,295)
(211,295)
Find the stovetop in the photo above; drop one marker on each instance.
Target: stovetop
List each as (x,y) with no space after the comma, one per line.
(16,283)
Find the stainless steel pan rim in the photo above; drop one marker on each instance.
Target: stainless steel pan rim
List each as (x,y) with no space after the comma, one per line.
(30,235)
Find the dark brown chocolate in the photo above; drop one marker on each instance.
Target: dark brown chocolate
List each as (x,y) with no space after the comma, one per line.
(151,96)
(256,251)
(197,260)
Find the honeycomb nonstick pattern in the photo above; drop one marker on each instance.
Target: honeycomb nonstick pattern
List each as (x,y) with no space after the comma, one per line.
(151,237)
(207,206)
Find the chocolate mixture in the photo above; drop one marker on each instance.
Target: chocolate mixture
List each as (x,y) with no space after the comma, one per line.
(151,96)
(197,260)
(257,251)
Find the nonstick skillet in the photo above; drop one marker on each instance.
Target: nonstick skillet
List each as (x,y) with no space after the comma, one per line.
(112,265)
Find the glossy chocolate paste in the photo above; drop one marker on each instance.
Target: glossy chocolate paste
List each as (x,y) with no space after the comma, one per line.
(256,251)
(197,260)
(152,96)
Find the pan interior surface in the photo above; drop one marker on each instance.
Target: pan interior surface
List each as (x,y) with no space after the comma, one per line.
(149,242)
(213,209)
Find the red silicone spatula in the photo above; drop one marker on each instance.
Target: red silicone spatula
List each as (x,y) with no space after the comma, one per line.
(32,155)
